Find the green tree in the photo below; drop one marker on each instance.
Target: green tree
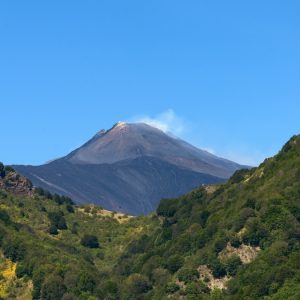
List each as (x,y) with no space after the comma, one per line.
(86,282)
(187,275)
(14,249)
(232,265)
(89,241)
(136,285)
(174,263)
(53,230)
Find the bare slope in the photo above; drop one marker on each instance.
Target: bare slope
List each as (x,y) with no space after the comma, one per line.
(129,168)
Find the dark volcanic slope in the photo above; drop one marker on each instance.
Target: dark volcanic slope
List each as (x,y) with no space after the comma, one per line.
(130,168)
(132,186)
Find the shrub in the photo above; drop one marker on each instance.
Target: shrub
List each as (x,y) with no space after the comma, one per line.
(187,275)
(70,208)
(4,217)
(160,276)
(220,244)
(238,176)
(110,287)
(194,290)
(62,223)
(218,269)
(232,265)
(89,241)
(235,242)
(166,208)
(14,250)
(203,217)
(57,219)
(9,169)
(137,285)
(172,288)
(138,246)
(255,232)
(174,263)
(53,230)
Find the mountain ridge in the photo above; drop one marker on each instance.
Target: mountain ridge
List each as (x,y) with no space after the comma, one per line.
(152,160)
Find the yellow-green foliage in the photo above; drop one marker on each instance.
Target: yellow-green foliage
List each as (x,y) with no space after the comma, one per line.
(36,254)
(257,210)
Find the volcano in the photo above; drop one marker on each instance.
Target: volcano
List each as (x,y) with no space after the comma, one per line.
(129,168)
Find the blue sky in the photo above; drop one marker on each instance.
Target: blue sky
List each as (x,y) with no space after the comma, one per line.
(223,75)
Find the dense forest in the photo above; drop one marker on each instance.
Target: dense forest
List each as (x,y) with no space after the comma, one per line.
(238,240)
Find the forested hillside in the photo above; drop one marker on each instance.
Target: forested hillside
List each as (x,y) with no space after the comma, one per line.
(52,249)
(239,240)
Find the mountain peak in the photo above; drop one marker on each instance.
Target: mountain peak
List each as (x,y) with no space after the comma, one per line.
(119,124)
(127,141)
(129,167)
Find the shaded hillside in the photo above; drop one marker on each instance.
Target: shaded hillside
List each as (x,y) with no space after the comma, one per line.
(129,168)
(134,186)
(240,240)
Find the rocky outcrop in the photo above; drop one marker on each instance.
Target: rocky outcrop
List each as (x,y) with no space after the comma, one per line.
(15,183)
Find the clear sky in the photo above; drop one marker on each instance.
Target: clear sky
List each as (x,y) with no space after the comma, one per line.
(224,75)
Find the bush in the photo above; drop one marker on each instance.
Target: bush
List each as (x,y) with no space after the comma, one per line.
(89,241)
(218,269)
(232,265)
(70,208)
(174,263)
(255,232)
(53,230)
(172,288)
(110,287)
(4,217)
(14,250)
(194,289)
(166,208)
(9,169)
(220,244)
(62,223)
(137,285)
(235,242)
(203,217)
(138,246)
(57,219)
(187,275)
